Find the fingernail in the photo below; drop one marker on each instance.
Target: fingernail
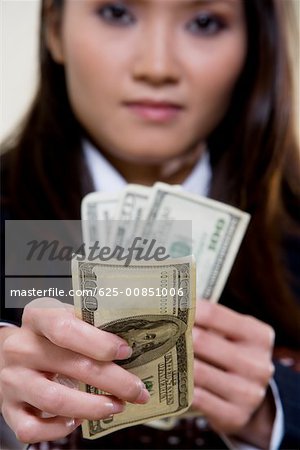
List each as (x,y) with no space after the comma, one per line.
(144,395)
(70,423)
(288,362)
(115,406)
(124,352)
(45,415)
(65,381)
(262,392)
(73,423)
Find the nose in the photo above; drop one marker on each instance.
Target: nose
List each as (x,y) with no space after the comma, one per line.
(155,61)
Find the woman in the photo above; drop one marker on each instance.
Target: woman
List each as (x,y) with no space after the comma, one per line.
(155,86)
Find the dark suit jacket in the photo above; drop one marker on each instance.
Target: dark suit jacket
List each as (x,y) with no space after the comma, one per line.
(191,434)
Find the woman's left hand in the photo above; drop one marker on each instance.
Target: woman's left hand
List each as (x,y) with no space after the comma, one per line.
(232,369)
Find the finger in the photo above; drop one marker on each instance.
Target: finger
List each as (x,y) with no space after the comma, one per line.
(37,353)
(229,356)
(30,428)
(233,325)
(57,399)
(49,318)
(229,387)
(223,416)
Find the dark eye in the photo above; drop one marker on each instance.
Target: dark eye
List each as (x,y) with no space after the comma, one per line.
(150,336)
(207,24)
(148,345)
(116,13)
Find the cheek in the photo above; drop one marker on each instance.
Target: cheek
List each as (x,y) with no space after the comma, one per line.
(92,72)
(214,75)
(86,71)
(91,83)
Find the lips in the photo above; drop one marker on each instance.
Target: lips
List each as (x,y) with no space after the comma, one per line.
(155,110)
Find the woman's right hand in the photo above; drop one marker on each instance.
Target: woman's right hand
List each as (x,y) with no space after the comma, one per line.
(53,341)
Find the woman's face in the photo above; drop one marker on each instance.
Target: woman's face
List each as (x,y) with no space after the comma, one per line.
(150,79)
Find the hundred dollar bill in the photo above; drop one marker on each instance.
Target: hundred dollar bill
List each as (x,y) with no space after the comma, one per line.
(97,213)
(152,306)
(217,232)
(130,214)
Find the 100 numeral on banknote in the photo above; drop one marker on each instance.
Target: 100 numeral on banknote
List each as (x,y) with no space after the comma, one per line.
(158,328)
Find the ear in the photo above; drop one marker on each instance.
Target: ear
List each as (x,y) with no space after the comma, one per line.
(53,31)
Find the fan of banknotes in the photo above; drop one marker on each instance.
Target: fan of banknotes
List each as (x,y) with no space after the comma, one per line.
(158,249)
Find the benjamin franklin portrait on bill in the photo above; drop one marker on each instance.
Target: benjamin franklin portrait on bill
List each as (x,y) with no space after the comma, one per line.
(149,336)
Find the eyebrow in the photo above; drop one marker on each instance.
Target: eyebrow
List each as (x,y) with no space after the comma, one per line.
(199,2)
(188,3)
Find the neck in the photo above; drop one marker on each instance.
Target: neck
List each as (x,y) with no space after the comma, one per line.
(173,171)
